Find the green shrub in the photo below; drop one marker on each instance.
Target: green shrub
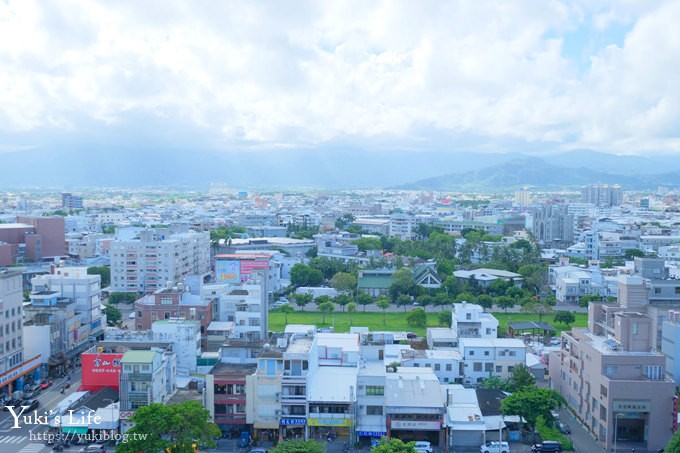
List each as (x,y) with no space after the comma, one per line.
(552,433)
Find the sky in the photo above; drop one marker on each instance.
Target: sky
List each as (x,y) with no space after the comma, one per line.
(482,76)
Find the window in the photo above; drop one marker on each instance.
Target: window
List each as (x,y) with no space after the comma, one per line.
(166,300)
(477,366)
(488,367)
(677,290)
(501,353)
(472,353)
(437,367)
(610,370)
(375,390)
(603,391)
(166,315)
(635,328)
(510,368)
(657,290)
(603,413)
(468,316)
(499,369)
(486,353)
(374,410)
(448,367)
(512,353)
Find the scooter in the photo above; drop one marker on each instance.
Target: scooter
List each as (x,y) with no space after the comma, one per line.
(63,389)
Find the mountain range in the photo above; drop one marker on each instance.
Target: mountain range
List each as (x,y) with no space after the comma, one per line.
(329,168)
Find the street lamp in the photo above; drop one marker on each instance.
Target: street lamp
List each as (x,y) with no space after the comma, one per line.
(616,425)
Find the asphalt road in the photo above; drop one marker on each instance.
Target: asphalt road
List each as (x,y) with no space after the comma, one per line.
(28,438)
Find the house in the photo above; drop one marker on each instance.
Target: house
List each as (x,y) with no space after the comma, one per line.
(483,277)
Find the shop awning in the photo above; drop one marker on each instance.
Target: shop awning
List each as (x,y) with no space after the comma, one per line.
(74,430)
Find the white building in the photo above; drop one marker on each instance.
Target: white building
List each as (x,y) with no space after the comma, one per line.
(156,256)
(185,336)
(491,356)
(85,290)
(11,346)
(470,321)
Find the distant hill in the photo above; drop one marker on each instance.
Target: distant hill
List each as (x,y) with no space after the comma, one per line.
(538,174)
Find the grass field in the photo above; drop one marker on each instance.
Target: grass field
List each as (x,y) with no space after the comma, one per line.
(397,321)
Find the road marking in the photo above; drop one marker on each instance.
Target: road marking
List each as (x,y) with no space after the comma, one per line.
(11,439)
(32,448)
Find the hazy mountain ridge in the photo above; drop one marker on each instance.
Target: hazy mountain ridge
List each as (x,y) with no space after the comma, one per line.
(538,174)
(329,168)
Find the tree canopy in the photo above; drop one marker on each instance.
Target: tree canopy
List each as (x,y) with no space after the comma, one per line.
(417,318)
(394,445)
(177,427)
(532,402)
(113,315)
(343,282)
(103,271)
(299,446)
(565,317)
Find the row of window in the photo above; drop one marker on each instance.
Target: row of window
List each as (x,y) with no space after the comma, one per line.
(229,389)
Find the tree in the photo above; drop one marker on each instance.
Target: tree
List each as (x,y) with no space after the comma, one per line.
(364,299)
(104,271)
(394,445)
(299,446)
(451,286)
(494,382)
(402,282)
(403,301)
(321,299)
(505,302)
(521,379)
(299,274)
(128,298)
(285,309)
(565,317)
(343,282)
(539,309)
(498,287)
(325,308)
(303,299)
(175,427)
(425,300)
(442,300)
(113,315)
(342,300)
(532,402)
(632,253)
(444,318)
(368,243)
(383,303)
(315,278)
(673,445)
(351,308)
(485,301)
(515,293)
(417,318)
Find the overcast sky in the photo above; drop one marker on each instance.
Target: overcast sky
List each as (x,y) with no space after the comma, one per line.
(476,74)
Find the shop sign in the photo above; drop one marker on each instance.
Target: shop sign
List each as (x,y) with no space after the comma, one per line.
(329,422)
(416,425)
(294,421)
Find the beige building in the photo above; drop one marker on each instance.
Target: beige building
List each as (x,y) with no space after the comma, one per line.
(613,381)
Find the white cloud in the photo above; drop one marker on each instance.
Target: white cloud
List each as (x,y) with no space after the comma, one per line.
(305,74)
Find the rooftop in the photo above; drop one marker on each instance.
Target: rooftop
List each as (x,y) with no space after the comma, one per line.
(318,388)
(138,357)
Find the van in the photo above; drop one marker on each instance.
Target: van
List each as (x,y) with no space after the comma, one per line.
(423,446)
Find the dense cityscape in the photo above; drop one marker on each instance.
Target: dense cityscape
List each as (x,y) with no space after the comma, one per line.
(342,317)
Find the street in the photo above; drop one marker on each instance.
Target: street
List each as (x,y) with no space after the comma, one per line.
(18,440)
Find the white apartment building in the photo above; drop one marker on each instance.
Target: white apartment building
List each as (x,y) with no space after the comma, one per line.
(402,226)
(447,365)
(486,356)
(85,290)
(470,321)
(185,336)
(156,256)
(371,420)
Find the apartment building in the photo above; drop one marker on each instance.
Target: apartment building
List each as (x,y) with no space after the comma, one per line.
(32,239)
(226,395)
(293,397)
(263,395)
(153,257)
(15,363)
(447,365)
(174,303)
(490,356)
(553,225)
(609,377)
(70,201)
(85,290)
(470,321)
(146,376)
(602,195)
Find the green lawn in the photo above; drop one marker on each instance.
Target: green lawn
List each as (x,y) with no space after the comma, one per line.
(397,321)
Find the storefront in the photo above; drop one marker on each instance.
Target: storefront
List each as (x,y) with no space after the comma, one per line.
(323,428)
(15,379)
(292,428)
(371,438)
(416,428)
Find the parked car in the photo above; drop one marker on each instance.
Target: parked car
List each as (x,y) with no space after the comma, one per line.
(547,446)
(94,448)
(258,450)
(132,315)
(495,447)
(244,440)
(411,335)
(45,385)
(32,405)
(423,446)
(564,428)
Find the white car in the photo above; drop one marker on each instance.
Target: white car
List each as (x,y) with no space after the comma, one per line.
(423,446)
(495,447)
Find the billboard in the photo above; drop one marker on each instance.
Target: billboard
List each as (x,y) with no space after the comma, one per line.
(100,370)
(228,271)
(247,266)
